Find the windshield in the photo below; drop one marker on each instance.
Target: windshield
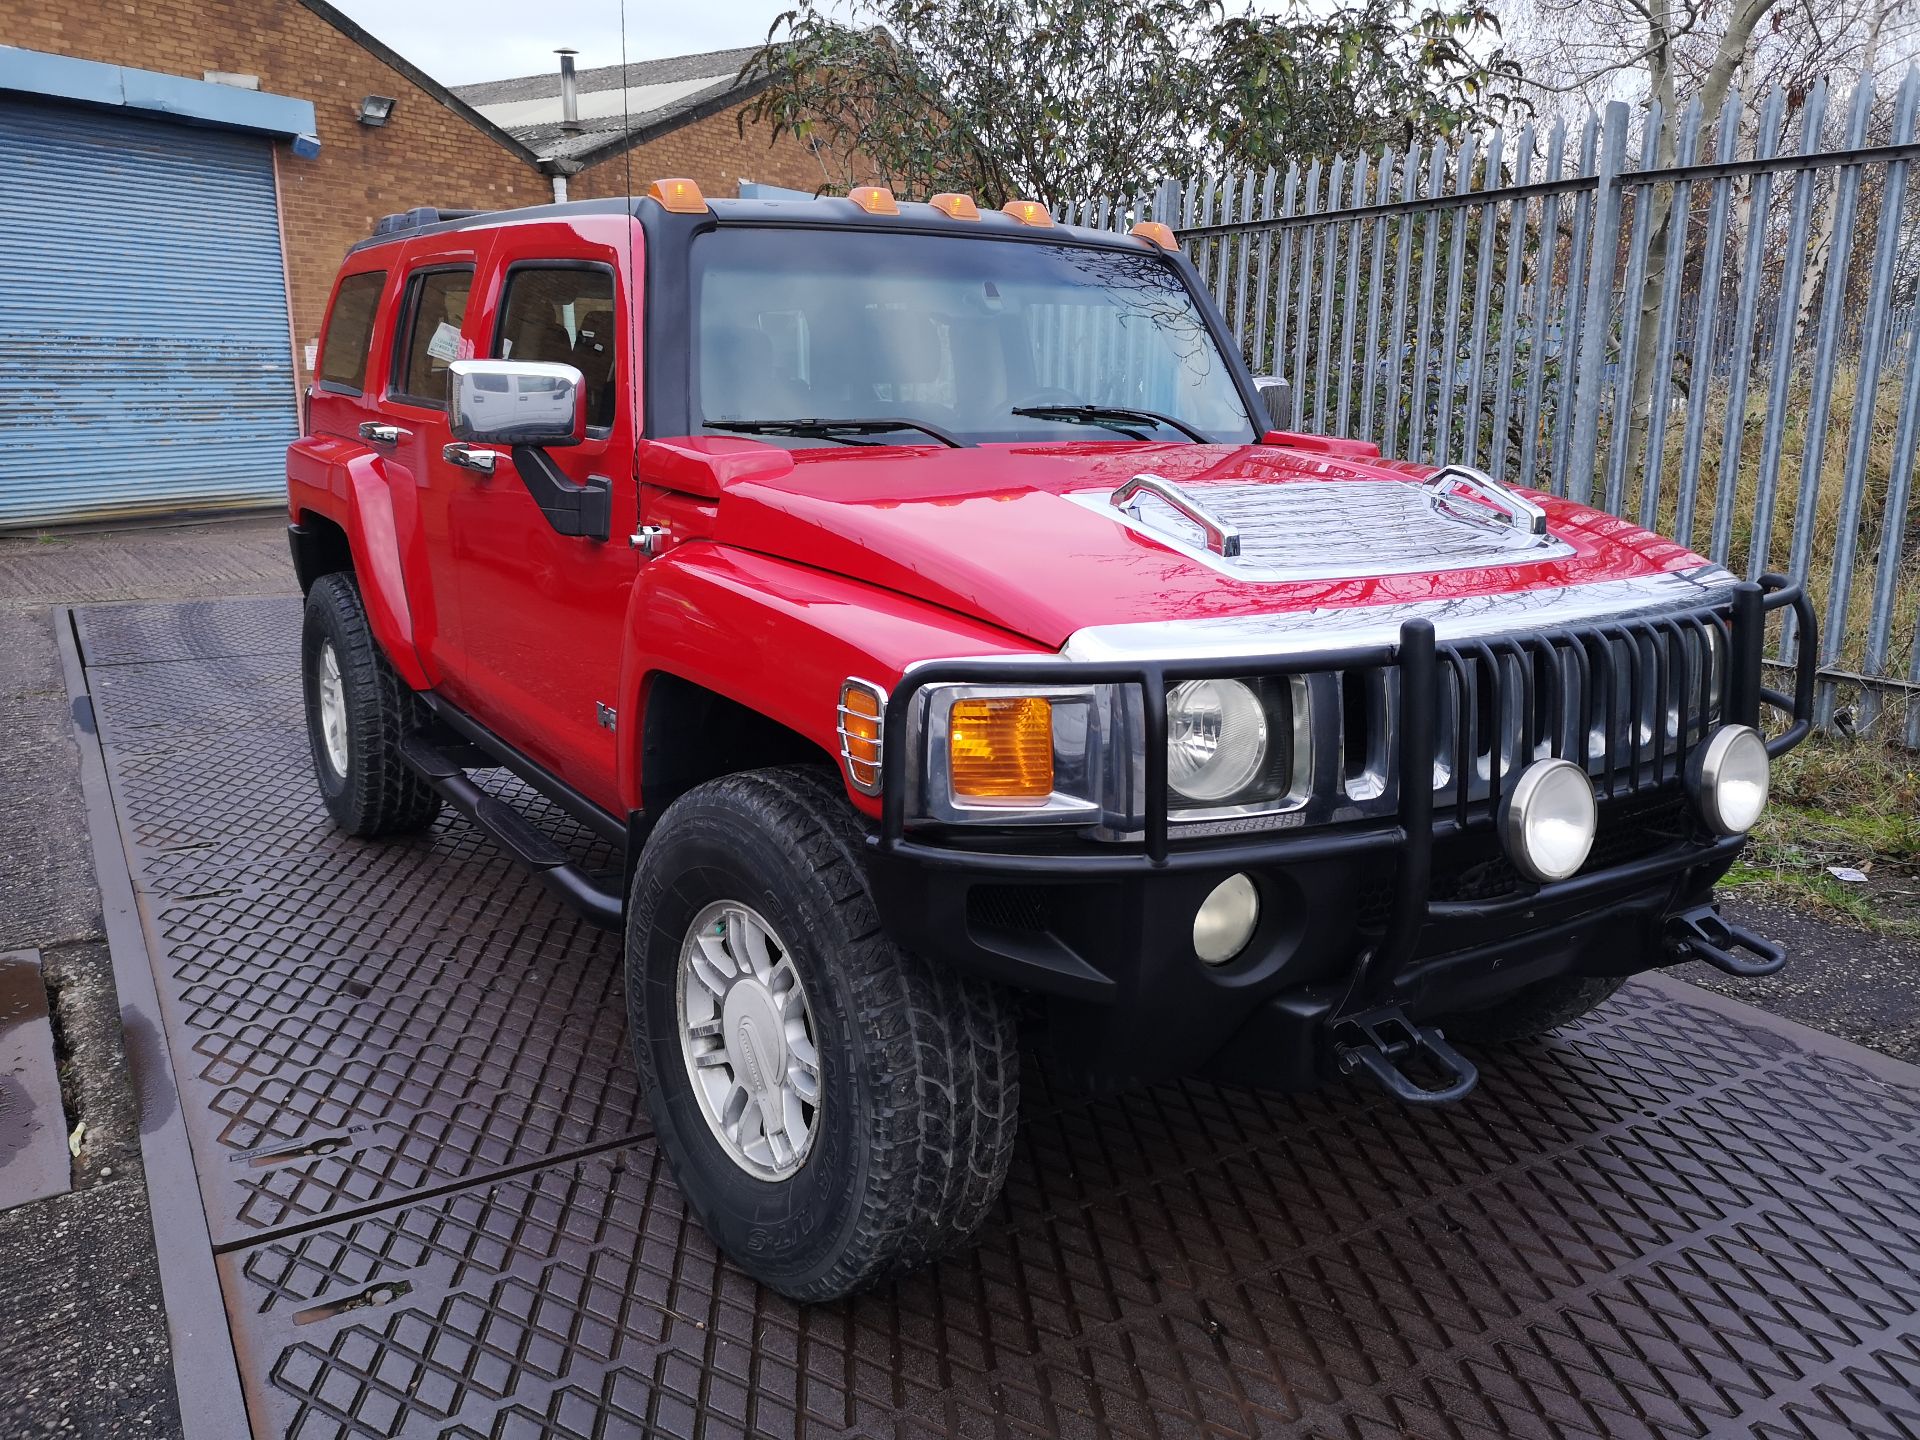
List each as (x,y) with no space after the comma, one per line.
(955,334)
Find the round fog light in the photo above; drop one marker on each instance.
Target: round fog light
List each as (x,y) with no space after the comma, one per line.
(1549,821)
(1224,922)
(1730,778)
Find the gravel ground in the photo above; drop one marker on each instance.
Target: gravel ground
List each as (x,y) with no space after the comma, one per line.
(1847,982)
(83,1338)
(83,1341)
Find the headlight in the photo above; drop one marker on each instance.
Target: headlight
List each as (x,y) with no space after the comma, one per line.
(1216,739)
(1729,779)
(1232,743)
(1037,754)
(1550,819)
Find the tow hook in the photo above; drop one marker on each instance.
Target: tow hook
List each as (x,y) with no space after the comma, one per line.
(1702,933)
(1379,1041)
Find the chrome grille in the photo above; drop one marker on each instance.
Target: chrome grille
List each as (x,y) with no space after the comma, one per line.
(1626,701)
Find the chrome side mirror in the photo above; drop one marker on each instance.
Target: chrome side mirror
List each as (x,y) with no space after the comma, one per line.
(1277,395)
(516,402)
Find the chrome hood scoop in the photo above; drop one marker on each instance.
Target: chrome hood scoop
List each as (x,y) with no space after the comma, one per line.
(1297,530)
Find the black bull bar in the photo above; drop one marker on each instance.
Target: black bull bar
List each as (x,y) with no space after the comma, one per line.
(1738,621)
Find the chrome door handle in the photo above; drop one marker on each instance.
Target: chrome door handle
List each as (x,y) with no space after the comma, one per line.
(378,432)
(470,457)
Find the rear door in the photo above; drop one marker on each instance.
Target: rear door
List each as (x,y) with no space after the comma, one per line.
(542,614)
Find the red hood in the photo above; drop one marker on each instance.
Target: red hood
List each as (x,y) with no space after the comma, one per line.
(987,531)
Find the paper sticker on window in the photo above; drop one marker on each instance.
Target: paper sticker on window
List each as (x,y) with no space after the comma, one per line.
(445,344)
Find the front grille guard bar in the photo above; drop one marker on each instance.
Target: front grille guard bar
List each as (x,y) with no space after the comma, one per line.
(1419,659)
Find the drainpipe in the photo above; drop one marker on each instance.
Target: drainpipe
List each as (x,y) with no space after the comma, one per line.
(559,189)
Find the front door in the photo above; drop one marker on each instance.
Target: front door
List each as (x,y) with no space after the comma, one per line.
(542,614)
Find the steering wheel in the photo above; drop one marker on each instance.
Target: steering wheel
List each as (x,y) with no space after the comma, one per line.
(1051,395)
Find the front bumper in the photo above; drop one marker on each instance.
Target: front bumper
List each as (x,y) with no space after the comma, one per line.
(1409,913)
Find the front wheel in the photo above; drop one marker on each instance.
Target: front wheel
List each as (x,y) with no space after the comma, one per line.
(836,1111)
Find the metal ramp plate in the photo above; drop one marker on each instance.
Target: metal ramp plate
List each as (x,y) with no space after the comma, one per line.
(435,1208)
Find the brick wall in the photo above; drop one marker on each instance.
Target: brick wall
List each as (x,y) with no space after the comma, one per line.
(424,155)
(713,154)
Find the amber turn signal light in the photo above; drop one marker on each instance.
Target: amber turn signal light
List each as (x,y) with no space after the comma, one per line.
(1159,234)
(955,206)
(1028,212)
(1001,748)
(874,199)
(682,197)
(861,706)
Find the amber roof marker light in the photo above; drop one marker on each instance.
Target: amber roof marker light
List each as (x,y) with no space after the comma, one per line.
(681,196)
(874,199)
(1156,232)
(1028,212)
(955,206)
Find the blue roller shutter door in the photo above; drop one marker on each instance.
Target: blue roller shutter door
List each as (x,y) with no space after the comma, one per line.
(145,360)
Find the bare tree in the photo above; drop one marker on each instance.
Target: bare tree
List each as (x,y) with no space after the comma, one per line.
(1666,54)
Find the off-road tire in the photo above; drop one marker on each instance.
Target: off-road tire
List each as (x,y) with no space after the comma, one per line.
(1535,1011)
(920,1082)
(380,794)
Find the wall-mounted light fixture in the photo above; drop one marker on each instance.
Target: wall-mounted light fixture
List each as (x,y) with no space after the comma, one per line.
(375,109)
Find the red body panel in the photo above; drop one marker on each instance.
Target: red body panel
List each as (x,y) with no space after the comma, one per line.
(778,637)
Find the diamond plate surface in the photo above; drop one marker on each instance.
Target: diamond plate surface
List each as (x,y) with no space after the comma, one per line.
(1665,1221)
(189,630)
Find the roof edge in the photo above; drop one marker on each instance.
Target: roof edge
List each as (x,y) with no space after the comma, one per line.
(394,60)
(642,134)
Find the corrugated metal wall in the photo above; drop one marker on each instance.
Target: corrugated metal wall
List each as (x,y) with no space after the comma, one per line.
(145,361)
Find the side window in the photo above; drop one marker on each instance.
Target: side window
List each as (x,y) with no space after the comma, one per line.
(565,315)
(436,308)
(343,359)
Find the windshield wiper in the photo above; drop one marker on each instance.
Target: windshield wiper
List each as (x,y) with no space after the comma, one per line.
(843,430)
(1111,417)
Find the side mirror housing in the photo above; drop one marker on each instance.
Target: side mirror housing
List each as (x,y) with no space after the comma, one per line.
(516,402)
(1277,395)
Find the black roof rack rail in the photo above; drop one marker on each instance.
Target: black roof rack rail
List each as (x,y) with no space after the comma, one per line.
(418,217)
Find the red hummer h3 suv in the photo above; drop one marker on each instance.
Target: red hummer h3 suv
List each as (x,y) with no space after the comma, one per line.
(923,602)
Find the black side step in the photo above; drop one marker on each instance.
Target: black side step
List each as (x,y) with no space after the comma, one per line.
(511,832)
(1380,1040)
(1703,933)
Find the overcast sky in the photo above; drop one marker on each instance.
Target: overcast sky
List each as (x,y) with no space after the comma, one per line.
(461,41)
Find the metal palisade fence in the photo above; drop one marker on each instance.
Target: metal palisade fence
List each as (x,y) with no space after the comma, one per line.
(1703,322)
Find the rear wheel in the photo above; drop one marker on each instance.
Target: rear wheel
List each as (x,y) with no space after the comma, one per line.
(357,711)
(1535,1011)
(836,1110)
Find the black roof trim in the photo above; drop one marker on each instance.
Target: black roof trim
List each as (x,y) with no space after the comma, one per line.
(394,60)
(427,220)
(828,212)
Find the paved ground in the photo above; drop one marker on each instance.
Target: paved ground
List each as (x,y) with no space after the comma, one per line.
(83,1342)
(83,1346)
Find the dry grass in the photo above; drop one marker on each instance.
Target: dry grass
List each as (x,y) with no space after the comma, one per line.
(1841,803)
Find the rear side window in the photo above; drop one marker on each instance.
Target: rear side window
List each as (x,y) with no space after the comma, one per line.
(343,361)
(563,314)
(436,309)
